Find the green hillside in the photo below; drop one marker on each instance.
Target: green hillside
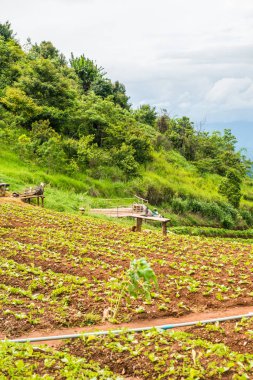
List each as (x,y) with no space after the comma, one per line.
(64,122)
(65,193)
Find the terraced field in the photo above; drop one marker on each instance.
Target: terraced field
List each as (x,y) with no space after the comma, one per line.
(59,270)
(62,270)
(220,351)
(202,352)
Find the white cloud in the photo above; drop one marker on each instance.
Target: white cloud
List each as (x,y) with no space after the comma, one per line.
(191,57)
(228,88)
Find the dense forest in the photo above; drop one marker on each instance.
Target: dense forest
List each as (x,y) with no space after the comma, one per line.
(69,117)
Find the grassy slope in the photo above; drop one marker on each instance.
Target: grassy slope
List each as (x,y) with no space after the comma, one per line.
(183,177)
(66,193)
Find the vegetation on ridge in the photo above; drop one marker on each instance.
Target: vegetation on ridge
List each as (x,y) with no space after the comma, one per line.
(69,118)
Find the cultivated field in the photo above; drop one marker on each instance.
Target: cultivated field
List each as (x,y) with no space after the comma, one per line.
(59,270)
(220,351)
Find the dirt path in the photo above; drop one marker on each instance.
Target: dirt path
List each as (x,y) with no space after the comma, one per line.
(10,199)
(137,324)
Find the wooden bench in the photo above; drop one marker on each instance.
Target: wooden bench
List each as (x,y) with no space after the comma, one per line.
(27,198)
(140,218)
(3,189)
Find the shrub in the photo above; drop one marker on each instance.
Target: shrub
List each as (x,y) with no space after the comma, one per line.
(179,206)
(227,222)
(247,216)
(231,187)
(206,209)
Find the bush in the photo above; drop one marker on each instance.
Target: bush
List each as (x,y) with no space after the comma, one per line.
(113,173)
(247,217)
(206,209)
(227,222)
(213,232)
(213,211)
(153,194)
(179,206)
(231,187)
(229,209)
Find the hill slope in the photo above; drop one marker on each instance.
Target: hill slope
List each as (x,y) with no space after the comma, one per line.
(169,181)
(65,123)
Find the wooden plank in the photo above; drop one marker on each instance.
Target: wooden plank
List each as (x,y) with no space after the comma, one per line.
(156,218)
(140,218)
(31,196)
(27,198)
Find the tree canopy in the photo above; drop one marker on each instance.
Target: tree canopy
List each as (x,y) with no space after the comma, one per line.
(73,114)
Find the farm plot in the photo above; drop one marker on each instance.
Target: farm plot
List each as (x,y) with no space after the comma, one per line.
(212,351)
(23,361)
(59,270)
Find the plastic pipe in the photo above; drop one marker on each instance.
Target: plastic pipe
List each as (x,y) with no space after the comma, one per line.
(140,329)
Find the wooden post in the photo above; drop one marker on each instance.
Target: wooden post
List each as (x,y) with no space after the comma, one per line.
(138,224)
(164,228)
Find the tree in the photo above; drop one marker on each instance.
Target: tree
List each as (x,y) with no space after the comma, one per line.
(102,87)
(20,105)
(52,155)
(93,78)
(45,83)
(42,132)
(10,56)
(119,95)
(142,149)
(124,159)
(53,89)
(6,32)
(87,71)
(146,114)
(231,187)
(46,50)
(183,136)
(163,121)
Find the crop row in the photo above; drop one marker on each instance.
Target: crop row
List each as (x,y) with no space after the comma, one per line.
(212,351)
(196,353)
(23,361)
(63,270)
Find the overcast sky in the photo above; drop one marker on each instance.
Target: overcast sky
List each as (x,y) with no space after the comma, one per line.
(192,57)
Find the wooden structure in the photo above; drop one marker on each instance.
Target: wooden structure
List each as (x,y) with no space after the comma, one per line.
(27,198)
(141,199)
(140,218)
(114,212)
(34,193)
(3,189)
(137,207)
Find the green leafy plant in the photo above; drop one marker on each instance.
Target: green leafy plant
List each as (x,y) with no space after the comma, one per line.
(138,280)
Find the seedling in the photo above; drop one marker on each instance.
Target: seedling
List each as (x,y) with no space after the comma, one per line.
(138,280)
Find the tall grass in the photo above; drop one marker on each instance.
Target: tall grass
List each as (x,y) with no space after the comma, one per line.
(169,181)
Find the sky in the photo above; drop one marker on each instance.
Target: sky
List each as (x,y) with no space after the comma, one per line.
(193,58)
